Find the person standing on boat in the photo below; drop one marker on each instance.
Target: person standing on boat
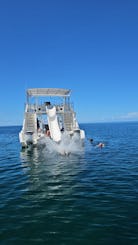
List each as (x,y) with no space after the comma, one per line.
(38,124)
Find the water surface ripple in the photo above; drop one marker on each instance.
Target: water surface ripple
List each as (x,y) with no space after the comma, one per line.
(89,197)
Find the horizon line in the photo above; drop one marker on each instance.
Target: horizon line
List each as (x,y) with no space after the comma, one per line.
(128,121)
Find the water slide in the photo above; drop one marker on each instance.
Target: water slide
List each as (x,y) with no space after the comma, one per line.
(55,132)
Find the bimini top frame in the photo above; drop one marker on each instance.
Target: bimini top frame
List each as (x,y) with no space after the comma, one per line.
(37,92)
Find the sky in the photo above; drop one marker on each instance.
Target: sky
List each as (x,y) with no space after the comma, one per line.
(88,46)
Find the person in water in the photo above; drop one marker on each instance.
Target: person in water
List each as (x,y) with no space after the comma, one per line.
(91,140)
(100,145)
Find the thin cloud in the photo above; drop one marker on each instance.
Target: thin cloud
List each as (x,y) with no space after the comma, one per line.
(130,116)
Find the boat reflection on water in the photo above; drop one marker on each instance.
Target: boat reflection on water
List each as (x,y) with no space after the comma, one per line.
(50,175)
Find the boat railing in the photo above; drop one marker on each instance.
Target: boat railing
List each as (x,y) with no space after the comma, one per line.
(41,108)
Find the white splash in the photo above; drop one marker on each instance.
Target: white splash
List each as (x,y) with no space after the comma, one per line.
(67,145)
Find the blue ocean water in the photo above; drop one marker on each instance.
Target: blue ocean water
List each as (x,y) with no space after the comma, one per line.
(90,197)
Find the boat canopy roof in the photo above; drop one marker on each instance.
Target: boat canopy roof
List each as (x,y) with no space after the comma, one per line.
(48,92)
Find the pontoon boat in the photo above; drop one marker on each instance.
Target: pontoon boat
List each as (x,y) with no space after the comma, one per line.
(48,113)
